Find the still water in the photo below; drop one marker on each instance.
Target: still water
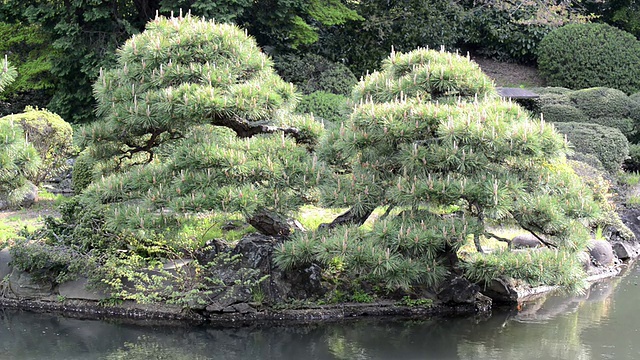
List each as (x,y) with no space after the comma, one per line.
(602,324)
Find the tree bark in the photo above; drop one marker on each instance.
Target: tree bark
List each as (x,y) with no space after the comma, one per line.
(351,217)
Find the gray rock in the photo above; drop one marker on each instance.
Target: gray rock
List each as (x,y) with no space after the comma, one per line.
(77,290)
(23,286)
(458,290)
(625,250)
(30,197)
(601,253)
(5,259)
(525,241)
(244,308)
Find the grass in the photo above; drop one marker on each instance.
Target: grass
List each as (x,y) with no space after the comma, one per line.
(13,222)
(630,178)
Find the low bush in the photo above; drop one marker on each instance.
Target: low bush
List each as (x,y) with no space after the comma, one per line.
(311,73)
(601,102)
(83,172)
(325,106)
(50,135)
(579,56)
(562,113)
(608,144)
(632,163)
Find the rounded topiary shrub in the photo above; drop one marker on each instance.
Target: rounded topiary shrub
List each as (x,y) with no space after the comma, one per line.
(51,136)
(325,106)
(581,56)
(311,73)
(601,102)
(608,144)
(562,113)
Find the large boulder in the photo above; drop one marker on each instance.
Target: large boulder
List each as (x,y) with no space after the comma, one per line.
(601,253)
(24,286)
(525,241)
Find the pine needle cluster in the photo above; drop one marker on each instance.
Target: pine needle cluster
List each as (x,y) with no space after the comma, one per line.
(429,133)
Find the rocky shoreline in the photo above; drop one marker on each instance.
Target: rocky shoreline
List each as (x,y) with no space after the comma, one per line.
(232,304)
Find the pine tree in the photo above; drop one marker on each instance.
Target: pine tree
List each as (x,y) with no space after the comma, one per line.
(19,160)
(195,119)
(430,136)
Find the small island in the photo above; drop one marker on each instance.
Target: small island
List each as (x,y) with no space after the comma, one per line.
(202,194)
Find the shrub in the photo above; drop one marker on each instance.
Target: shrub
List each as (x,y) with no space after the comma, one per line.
(608,144)
(579,56)
(601,102)
(51,136)
(83,172)
(562,113)
(325,106)
(311,73)
(19,162)
(632,163)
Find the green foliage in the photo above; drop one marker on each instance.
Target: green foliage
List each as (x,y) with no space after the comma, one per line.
(325,107)
(545,267)
(311,73)
(463,149)
(19,162)
(51,136)
(601,102)
(30,50)
(403,25)
(602,106)
(50,263)
(502,34)
(608,144)
(562,113)
(632,163)
(581,56)
(7,74)
(83,173)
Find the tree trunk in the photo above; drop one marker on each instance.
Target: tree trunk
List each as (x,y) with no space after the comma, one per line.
(351,217)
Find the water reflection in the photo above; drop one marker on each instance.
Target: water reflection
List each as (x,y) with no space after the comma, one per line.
(599,324)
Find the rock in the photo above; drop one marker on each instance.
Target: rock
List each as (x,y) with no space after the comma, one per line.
(256,250)
(211,250)
(525,241)
(244,308)
(30,197)
(5,259)
(626,250)
(23,286)
(502,290)
(601,252)
(77,290)
(585,260)
(458,290)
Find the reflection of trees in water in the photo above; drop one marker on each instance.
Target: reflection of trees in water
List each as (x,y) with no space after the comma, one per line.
(555,327)
(549,328)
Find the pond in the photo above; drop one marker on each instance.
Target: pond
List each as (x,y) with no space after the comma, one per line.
(601,324)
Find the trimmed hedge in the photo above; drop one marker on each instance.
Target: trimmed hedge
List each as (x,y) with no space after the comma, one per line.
(562,113)
(601,102)
(579,56)
(608,144)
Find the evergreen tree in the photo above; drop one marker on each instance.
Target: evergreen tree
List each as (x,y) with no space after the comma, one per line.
(195,119)
(430,136)
(19,160)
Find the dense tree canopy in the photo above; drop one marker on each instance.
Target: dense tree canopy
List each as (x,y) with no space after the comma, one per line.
(430,135)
